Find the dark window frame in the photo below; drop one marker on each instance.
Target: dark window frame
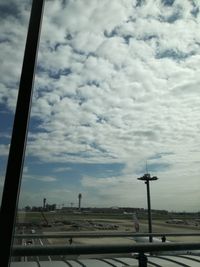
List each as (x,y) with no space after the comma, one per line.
(15,163)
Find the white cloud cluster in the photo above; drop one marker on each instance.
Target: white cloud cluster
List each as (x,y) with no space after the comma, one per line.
(113,83)
(117,81)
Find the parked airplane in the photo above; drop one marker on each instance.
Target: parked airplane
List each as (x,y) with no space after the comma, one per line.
(175,221)
(145,239)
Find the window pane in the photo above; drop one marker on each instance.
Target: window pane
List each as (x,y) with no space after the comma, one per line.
(14,17)
(115,97)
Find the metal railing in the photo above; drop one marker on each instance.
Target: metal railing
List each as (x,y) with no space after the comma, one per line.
(31,250)
(140,248)
(95,234)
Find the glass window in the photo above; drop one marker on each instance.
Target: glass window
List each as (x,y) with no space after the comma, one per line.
(14,17)
(116,96)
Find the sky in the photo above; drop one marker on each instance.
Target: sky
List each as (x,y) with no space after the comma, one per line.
(117,86)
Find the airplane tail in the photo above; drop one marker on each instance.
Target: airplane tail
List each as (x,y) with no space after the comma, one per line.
(136,223)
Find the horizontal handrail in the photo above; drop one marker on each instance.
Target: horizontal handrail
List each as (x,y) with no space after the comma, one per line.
(103,234)
(102,249)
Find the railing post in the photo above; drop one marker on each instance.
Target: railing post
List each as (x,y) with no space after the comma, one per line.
(142,260)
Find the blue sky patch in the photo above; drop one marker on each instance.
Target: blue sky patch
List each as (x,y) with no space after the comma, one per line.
(168,2)
(7,119)
(9,9)
(139,3)
(195,11)
(54,73)
(173,54)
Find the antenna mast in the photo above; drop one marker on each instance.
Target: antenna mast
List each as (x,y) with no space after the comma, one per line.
(146,167)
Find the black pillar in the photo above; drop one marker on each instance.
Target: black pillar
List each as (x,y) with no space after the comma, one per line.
(149,210)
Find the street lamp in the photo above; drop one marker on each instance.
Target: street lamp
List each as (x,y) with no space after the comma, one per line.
(147,178)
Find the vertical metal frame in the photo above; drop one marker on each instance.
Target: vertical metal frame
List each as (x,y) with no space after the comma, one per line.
(149,210)
(19,135)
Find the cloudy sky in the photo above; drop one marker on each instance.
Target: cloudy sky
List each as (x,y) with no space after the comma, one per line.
(117,85)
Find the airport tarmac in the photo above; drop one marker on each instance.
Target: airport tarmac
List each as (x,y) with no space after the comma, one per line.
(160,227)
(92,240)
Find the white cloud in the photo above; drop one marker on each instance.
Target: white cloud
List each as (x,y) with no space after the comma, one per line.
(62,169)
(115,83)
(27,177)
(4,150)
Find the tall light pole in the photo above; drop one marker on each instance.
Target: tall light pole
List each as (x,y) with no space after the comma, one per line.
(79,201)
(44,203)
(147,178)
